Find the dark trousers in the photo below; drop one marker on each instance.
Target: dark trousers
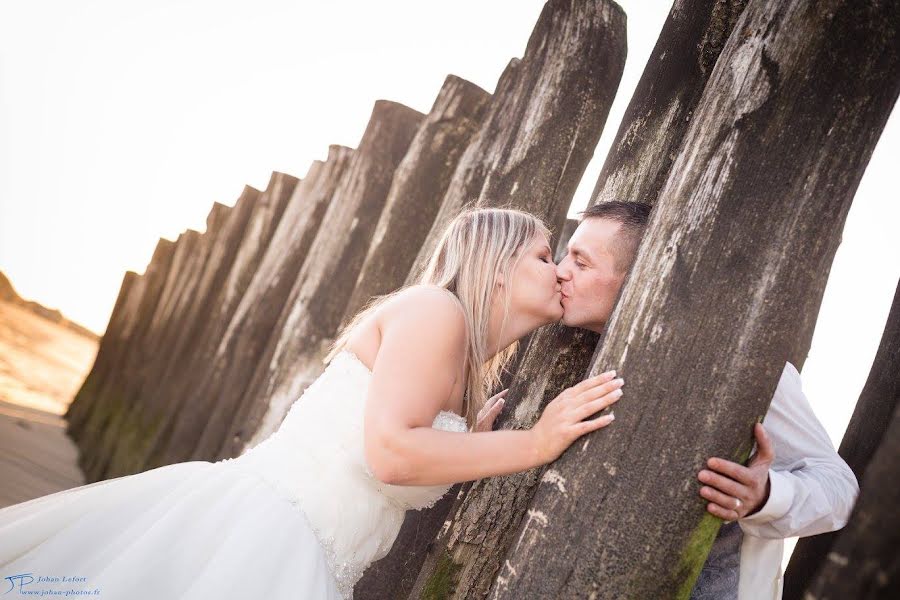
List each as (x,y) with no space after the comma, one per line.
(719,578)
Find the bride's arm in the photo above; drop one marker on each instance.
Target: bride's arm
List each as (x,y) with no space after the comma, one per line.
(422,349)
(426,456)
(418,361)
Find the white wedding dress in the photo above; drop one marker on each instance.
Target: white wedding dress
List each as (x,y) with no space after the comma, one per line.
(298,516)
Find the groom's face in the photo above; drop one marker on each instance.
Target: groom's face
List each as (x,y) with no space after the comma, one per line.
(588,274)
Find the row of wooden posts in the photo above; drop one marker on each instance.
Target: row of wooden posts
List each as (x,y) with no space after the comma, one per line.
(749,131)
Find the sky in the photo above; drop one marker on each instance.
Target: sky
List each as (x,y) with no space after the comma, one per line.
(123,122)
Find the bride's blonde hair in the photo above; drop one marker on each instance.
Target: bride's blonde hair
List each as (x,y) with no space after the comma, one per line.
(477,248)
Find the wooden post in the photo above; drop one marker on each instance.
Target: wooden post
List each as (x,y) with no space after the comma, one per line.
(663,103)
(417,189)
(194,407)
(870,419)
(245,340)
(745,230)
(568,229)
(217,257)
(546,118)
(109,347)
(183,315)
(862,564)
(107,407)
(465,555)
(323,286)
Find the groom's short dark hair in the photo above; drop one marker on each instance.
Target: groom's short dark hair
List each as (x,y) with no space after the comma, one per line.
(633,216)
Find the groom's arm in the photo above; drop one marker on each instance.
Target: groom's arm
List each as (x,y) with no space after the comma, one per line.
(811,488)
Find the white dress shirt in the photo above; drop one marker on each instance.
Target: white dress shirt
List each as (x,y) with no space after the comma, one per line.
(812,490)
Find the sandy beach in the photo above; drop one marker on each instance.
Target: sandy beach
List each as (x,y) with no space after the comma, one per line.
(42,365)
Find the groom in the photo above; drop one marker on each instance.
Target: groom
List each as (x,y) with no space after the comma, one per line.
(795,484)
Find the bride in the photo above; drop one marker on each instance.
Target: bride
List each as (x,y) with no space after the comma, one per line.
(399,415)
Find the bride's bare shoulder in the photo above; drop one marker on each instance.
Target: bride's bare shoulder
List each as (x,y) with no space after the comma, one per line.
(423,333)
(424,305)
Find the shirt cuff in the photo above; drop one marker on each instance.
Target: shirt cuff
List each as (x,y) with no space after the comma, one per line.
(780,498)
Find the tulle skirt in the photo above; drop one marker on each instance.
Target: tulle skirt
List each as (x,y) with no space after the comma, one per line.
(191,530)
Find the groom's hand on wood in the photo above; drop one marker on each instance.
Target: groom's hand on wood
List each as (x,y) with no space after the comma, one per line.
(733,490)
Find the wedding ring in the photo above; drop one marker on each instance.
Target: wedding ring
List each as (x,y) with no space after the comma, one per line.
(737,503)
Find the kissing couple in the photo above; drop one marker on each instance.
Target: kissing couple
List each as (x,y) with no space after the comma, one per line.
(401,413)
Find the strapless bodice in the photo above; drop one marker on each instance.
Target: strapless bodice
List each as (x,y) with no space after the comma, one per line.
(316,461)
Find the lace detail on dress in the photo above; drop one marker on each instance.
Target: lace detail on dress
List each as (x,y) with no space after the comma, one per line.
(346,572)
(450,421)
(315,460)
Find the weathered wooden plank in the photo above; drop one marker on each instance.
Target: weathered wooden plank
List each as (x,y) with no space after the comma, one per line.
(317,302)
(664,100)
(245,340)
(568,229)
(863,561)
(418,187)
(545,120)
(416,192)
(137,432)
(745,230)
(867,426)
(215,268)
(466,554)
(108,403)
(109,347)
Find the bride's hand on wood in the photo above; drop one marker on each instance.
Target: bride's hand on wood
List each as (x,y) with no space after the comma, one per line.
(489,412)
(562,421)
